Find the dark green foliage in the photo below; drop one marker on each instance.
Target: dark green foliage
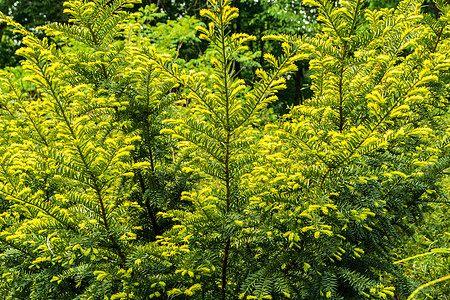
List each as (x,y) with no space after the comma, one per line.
(31,14)
(132,169)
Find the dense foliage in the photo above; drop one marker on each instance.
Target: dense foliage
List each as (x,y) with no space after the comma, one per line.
(143,160)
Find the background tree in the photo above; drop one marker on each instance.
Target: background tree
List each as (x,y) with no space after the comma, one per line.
(30,14)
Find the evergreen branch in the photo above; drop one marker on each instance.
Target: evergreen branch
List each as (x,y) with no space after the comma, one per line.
(324,175)
(262,94)
(400,179)
(203,145)
(358,5)
(330,19)
(48,211)
(91,174)
(150,212)
(33,122)
(372,129)
(225,84)
(224,269)
(12,245)
(438,38)
(150,152)
(305,143)
(110,160)
(392,188)
(106,223)
(96,43)
(209,133)
(226,162)
(341,96)
(195,91)
(42,137)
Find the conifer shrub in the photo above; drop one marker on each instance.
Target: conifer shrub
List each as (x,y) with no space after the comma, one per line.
(348,172)
(84,168)
(127,175)
(332,189)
